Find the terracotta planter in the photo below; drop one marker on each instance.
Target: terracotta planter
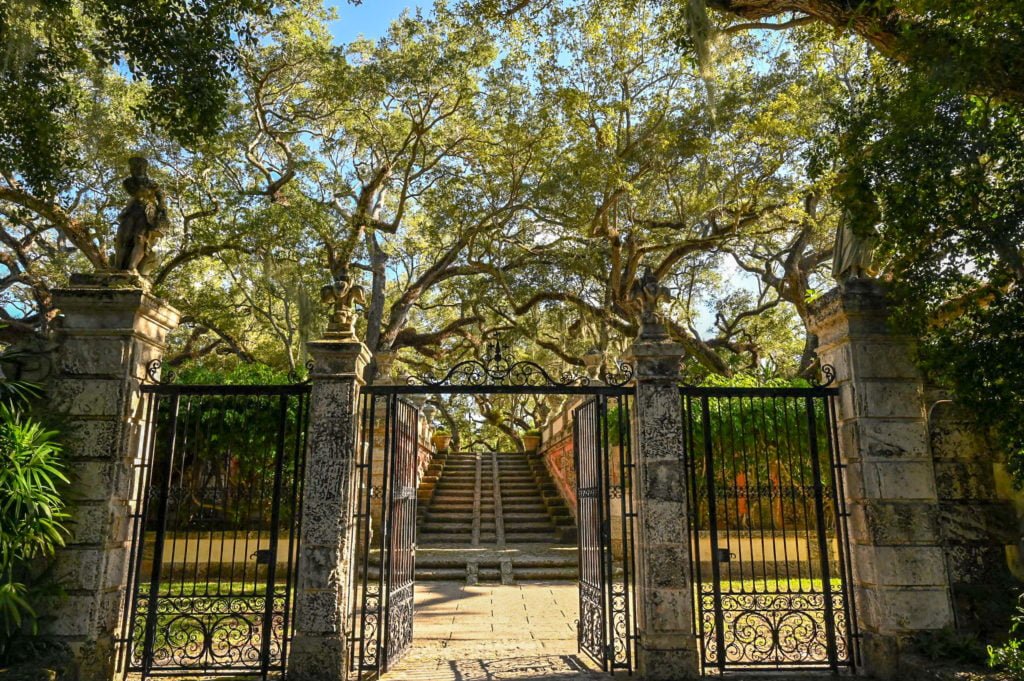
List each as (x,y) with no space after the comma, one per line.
(531,442)
(441,442)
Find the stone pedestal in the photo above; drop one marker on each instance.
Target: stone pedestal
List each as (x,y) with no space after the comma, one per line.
(900,580)
(108,337)
(319,647)
(667,647)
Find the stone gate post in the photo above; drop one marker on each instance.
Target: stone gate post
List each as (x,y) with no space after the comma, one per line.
(900,580)
(109,336)
(319,646)
(667,648)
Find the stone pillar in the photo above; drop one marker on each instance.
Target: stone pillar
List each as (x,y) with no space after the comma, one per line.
(900,581)
(108,337)
(319,647)
(667,647)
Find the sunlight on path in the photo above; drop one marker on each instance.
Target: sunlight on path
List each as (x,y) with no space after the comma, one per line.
(494,632)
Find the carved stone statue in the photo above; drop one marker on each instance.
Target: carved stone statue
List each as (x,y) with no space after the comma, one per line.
(649,293)
(856,236)
(141,222)
(344,295)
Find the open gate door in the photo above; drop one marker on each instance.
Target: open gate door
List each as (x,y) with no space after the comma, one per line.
(386,535)
(604,472)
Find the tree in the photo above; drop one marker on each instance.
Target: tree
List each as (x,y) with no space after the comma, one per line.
(184,51)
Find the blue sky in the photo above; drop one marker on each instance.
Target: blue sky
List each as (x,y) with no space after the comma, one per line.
(369,19)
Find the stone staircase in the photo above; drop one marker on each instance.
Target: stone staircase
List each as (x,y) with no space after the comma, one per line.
(493,518)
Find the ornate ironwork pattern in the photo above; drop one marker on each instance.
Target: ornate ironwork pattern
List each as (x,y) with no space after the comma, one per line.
(607,599)
(771,550)
(155,375)
(382,616)
(498,366)
(772,629)
(214,529)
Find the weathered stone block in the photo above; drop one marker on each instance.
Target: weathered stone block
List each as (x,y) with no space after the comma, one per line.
(667,664)
(92,438)
(667,565)
(961,481)
(88,397)
(957,442)
(316,658)
(882,439)
(320,567)
(317,612)
(670,610)
(80,569)
(664,481)
(666,522)
(876,398)
(894,523)
(881,358)
(102,357)
(896,610)
(977,523)
(74,614)
(899,565)
(90,523)
(898,480)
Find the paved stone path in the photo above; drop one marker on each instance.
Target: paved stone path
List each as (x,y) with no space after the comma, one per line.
(495,633)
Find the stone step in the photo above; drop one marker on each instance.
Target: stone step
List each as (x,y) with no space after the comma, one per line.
(544,574)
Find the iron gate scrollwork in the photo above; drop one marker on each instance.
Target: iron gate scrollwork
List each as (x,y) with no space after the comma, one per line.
(214,529)
(604,470)
(382,624)
(382,614)
(771,567)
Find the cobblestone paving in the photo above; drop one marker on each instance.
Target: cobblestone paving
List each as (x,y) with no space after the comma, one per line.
(495,633)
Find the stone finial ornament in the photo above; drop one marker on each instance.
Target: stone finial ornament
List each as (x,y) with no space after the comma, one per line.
(344,294)
(141,222)
(648,292)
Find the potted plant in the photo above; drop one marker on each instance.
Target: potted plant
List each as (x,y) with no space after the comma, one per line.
(531,440)
(441,439)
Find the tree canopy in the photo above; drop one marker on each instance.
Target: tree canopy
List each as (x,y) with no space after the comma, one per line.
(511,168)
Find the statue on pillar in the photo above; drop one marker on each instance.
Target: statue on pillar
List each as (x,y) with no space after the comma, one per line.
(856,235)
(648,292)
(141,222)
(344,294)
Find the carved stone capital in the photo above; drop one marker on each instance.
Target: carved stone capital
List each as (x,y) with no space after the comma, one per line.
(333,359)
(657,360)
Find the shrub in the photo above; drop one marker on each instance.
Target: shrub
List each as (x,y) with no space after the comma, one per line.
(32,517)
(1010,655)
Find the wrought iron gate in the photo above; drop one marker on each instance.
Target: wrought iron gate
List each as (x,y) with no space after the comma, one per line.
(215,530)
(771,566)
(386,534)
(604,470)
(382,613)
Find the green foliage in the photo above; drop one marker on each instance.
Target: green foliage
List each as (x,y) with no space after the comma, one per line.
(231,372)
(1009,656)
(32,520)
(950,644)
(183,50)
(946,169)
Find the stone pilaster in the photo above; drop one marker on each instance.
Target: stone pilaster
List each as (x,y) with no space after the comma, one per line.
(900,581)
(319,646)
(667,648)
(108,337)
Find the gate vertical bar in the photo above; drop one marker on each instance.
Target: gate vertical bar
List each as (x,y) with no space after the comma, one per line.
(716,570)
(275,521)
(158,547)
(823,549)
